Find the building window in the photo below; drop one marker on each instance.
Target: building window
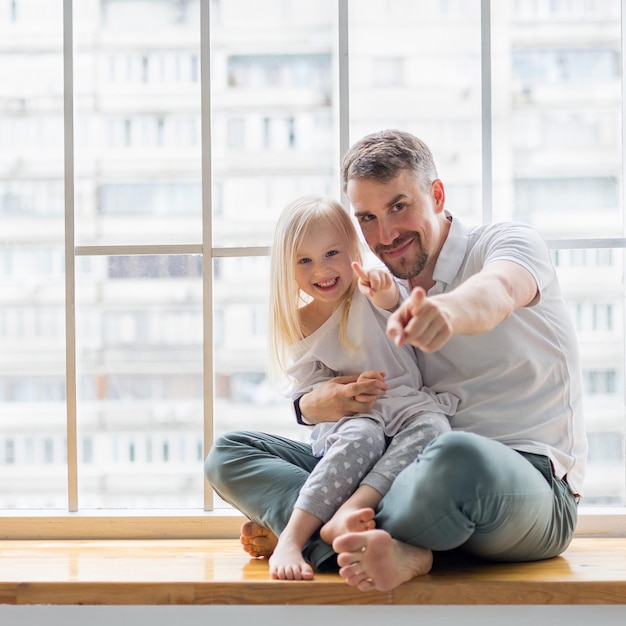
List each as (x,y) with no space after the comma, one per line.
(600,382)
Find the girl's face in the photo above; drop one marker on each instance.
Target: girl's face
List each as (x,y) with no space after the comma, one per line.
(323,264)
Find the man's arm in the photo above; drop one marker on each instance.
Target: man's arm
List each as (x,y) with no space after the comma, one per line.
(474,307)
(340,397)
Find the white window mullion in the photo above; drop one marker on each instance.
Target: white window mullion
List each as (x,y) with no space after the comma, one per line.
(487,122)
(207,257)
(580,243)
(623,110)
(70,264)
(344,84)
(124,250)
(623,186)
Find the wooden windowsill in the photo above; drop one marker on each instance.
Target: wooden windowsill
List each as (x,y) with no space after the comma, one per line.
(217,571)
(222,523)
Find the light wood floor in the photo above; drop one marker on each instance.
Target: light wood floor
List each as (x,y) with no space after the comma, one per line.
(147,572)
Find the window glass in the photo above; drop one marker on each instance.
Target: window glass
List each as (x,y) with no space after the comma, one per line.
(416,66)
(242,386)
(32,288)
(274,112)
(137,122)
(555,134)
(592,284)
(140,381)
(245,396)
(556,106)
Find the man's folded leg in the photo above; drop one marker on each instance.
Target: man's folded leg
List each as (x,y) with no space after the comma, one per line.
(470,491)
(261,475)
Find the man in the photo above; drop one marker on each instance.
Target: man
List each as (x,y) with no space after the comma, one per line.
(487,317)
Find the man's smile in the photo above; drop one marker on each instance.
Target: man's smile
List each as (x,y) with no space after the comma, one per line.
(396,250)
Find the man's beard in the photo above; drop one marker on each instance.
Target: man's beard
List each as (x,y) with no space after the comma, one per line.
(402,267)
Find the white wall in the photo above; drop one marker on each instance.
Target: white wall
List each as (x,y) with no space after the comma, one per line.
(312,616)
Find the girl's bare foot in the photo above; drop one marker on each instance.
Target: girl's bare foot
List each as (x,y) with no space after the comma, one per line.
(256,540)
(287,563)
(374,560)
(347,521)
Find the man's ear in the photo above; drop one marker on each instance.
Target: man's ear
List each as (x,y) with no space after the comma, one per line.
(438,194)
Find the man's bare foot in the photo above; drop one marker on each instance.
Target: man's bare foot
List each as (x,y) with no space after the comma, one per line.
(287,563)
(347,521)
(257,541)
(374,560)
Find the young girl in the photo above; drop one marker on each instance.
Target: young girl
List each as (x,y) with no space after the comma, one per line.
(322,326)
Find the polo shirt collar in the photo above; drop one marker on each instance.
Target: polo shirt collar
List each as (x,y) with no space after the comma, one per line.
(451,256)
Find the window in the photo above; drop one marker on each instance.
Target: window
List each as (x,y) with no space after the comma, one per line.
(598,382)
(9,451)
(279,71)
(133,308)
(562,66)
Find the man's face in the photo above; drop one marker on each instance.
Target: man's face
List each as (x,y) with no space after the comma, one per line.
(399,220)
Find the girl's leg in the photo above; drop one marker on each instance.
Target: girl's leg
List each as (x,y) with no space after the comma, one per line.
(357,513)
(405,447)
(350,452)
(287,561)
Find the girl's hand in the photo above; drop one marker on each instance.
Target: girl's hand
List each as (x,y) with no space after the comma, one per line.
(378,286)
(372,281)
(372,386)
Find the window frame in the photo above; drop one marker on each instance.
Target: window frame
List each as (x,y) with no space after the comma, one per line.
(77,523)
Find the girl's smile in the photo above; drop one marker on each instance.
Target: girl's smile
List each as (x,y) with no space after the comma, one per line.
(328,284)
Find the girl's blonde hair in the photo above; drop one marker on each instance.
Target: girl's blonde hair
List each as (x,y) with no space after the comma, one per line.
(285,297)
